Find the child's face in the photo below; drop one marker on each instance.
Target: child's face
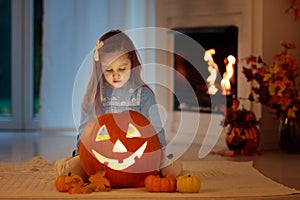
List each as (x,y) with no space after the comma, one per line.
(117,72)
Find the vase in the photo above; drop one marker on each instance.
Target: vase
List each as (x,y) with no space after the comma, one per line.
(289,134)
(241,138)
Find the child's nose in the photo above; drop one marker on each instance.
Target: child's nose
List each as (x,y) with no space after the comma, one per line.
(116,74)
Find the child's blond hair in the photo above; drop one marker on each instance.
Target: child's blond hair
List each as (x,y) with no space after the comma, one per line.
(112,41)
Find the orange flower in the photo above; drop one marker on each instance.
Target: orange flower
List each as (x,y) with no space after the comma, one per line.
(295,6)
(235,104)
(297,13)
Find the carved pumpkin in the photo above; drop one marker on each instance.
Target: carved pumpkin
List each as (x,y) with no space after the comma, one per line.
(252,135)
(238,138)
(160,183)
(188,184)
(124,144)
(66,182)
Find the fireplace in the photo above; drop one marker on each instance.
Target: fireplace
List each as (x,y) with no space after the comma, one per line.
(220,47)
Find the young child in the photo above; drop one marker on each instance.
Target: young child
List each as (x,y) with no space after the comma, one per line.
(115,85)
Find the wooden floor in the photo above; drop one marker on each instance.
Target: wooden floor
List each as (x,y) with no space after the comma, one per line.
(22,146)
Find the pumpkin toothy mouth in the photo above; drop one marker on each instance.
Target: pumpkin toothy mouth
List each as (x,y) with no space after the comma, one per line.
(116,164)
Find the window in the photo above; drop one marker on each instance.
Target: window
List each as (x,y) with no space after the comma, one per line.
(5,59)
(20,63)
(37,65)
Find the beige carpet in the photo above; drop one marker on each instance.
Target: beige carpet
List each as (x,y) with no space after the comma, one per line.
(35,180)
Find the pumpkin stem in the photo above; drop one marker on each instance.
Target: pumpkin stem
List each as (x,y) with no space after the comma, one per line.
(160,174)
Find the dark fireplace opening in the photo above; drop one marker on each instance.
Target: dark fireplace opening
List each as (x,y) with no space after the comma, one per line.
(224,40)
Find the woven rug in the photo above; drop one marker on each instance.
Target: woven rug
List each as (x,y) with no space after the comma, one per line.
(35,180)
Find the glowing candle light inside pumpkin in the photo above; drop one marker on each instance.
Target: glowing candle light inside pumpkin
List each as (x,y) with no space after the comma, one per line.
(225,82)
(213,69)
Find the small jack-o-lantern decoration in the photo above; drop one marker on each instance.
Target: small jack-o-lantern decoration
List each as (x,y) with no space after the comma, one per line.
(242,134)
(240,138)
(124,144)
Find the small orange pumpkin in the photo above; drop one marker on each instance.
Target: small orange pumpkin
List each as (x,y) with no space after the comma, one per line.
(65,182)
(188,184)
(160,183)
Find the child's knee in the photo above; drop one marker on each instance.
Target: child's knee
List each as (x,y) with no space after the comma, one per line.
(62,166)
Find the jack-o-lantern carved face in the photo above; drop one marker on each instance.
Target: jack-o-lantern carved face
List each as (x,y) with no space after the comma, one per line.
(119,147)
(236,138)
(125,144)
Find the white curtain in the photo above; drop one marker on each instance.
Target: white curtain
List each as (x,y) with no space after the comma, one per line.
(70,30)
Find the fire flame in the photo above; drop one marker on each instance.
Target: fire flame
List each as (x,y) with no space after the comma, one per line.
(225,82)
(213,69)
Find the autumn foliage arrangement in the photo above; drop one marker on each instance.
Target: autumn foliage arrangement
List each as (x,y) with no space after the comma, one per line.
(159,182)
(275,84)
(240,117)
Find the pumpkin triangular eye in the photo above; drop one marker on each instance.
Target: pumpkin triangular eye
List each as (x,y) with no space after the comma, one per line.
(132,132)
(102,134)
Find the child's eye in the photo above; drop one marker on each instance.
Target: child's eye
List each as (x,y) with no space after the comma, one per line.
(122,69)
(108,70)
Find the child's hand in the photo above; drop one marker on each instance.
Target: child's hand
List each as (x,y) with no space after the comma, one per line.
(170,166)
